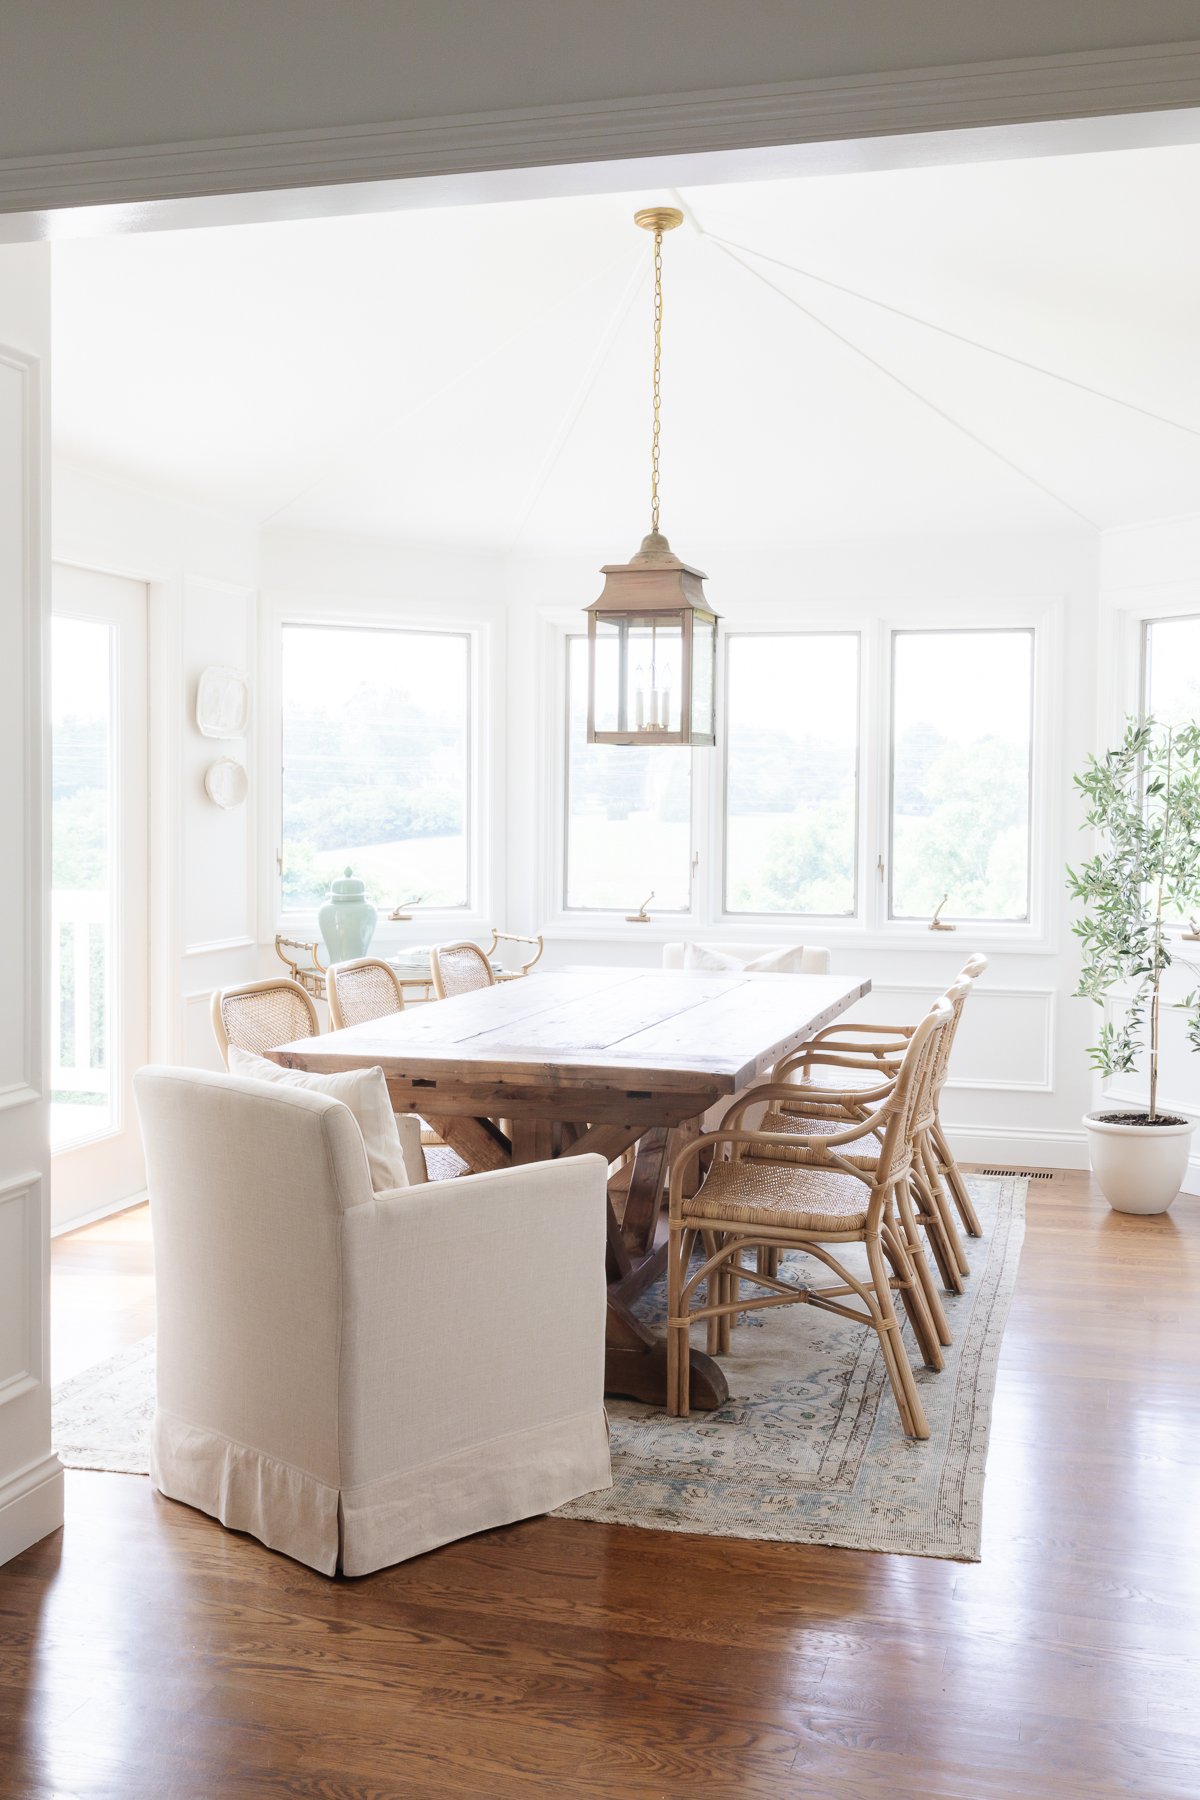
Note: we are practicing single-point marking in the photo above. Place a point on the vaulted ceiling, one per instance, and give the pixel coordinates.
(480, 375)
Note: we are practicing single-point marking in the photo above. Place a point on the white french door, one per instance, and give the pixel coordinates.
(99, 1000)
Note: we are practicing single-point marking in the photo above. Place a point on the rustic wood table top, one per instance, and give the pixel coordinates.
(620, 1027)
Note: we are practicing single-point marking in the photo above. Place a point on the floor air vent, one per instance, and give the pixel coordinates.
(1029, 1174)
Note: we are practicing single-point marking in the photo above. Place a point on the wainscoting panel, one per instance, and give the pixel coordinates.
(1005, 1042)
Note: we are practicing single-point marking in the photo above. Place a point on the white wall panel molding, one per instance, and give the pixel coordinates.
(31, 1506)
(22, 575)
(217, 946)
(1078, 85)
(1027, 1033)
(21, 1347)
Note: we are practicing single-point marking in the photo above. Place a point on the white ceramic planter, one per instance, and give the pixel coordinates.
(1139, 1167)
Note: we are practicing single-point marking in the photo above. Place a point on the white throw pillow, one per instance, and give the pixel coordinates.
(364, 1092)
(777, 962)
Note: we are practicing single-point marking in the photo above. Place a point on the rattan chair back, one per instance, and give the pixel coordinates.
(362, 990)
(260, 1015)
(459, 969)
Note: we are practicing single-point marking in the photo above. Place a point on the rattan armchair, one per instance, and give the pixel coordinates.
(853, 1056)
(259, 1015)
(362, 990)
(843, 1182)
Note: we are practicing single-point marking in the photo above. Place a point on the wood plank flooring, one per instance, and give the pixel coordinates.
(145, 1652)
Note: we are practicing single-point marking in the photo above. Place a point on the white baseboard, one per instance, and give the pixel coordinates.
(1036, 1149)
(31, 1506)
(101, 1212)
(1030, 1147)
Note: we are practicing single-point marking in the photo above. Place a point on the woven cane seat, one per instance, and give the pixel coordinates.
(757, 1193)
(824, 1075)
(443, 1164)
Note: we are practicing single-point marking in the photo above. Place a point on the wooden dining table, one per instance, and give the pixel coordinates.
(609, 1060)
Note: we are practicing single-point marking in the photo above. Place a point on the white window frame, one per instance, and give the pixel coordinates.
(483, 627)
(870, 927)
(1141, 669)
(889, 823)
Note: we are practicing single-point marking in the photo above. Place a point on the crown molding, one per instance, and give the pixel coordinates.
(1078, 85)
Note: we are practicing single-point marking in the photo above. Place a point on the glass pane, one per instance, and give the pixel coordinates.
(655, 661)
(628, 814)
(1172, 690)
(791, 797)
(81, 895)
(376, 748)
(962, 718)
(704, 670)
(1173, 671)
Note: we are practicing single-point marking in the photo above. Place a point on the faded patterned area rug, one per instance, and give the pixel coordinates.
(807, 1450)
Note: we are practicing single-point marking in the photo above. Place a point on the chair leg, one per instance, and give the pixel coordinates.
(916, 1256)
(715, 1294)
(931, 1167)
(912, 1298)
(904, 1386)
(929, 1217)
(958, 1187)
(677, 1334)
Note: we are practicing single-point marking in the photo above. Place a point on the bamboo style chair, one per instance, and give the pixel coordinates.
(459, 969)
(850, 1055)
(807, 1192)
(260, 1015)
(362, 990)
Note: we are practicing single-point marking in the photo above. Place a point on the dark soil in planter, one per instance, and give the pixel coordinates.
(1136, 1118)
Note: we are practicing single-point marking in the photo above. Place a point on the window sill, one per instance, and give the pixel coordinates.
(1018, 940)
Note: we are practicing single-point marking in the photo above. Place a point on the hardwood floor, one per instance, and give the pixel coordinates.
(145, 1652)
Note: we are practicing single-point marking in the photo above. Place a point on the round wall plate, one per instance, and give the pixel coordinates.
(226, 782)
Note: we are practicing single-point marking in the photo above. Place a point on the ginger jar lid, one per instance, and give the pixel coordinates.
(347, 887)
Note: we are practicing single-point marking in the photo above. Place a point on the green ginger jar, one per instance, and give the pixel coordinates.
(347, 919)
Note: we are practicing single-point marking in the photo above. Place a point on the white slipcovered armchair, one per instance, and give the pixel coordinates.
(354, 1378)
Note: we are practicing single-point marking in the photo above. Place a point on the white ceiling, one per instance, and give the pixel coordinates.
(480, 375)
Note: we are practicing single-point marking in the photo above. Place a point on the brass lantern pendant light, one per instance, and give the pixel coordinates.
(652, 636)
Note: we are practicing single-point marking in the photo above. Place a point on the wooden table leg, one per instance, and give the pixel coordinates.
(635, 1363)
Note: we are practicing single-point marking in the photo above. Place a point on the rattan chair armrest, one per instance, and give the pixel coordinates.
(783, 1090)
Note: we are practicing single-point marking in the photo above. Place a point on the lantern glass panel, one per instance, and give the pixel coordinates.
(606, 667)
(654, 659)
(704, 674)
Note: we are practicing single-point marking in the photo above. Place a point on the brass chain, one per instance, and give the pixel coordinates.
(654, 442)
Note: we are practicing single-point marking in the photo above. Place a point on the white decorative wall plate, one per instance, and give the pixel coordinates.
(223, 702)
(226, 782)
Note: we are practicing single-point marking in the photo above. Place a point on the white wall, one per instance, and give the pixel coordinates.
(30, 1477)
(202, 571)
(1022, 1081)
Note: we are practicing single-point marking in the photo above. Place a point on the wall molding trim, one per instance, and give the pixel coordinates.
(1075, 85)
(31, 1506)
(1032, 1145)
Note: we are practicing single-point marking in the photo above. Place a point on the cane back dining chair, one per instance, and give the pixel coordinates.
(850, 1055)
(362, 990)
(808, 1191)
(259, 1015)
(459, 969)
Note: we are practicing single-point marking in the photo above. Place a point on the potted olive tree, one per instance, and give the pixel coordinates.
(1144, 802)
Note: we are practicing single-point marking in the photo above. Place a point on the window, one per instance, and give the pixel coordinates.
(629, 829)
(1171, 690)
(376, 763)
(1171, 670)
(791, 781)
(962, 719)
